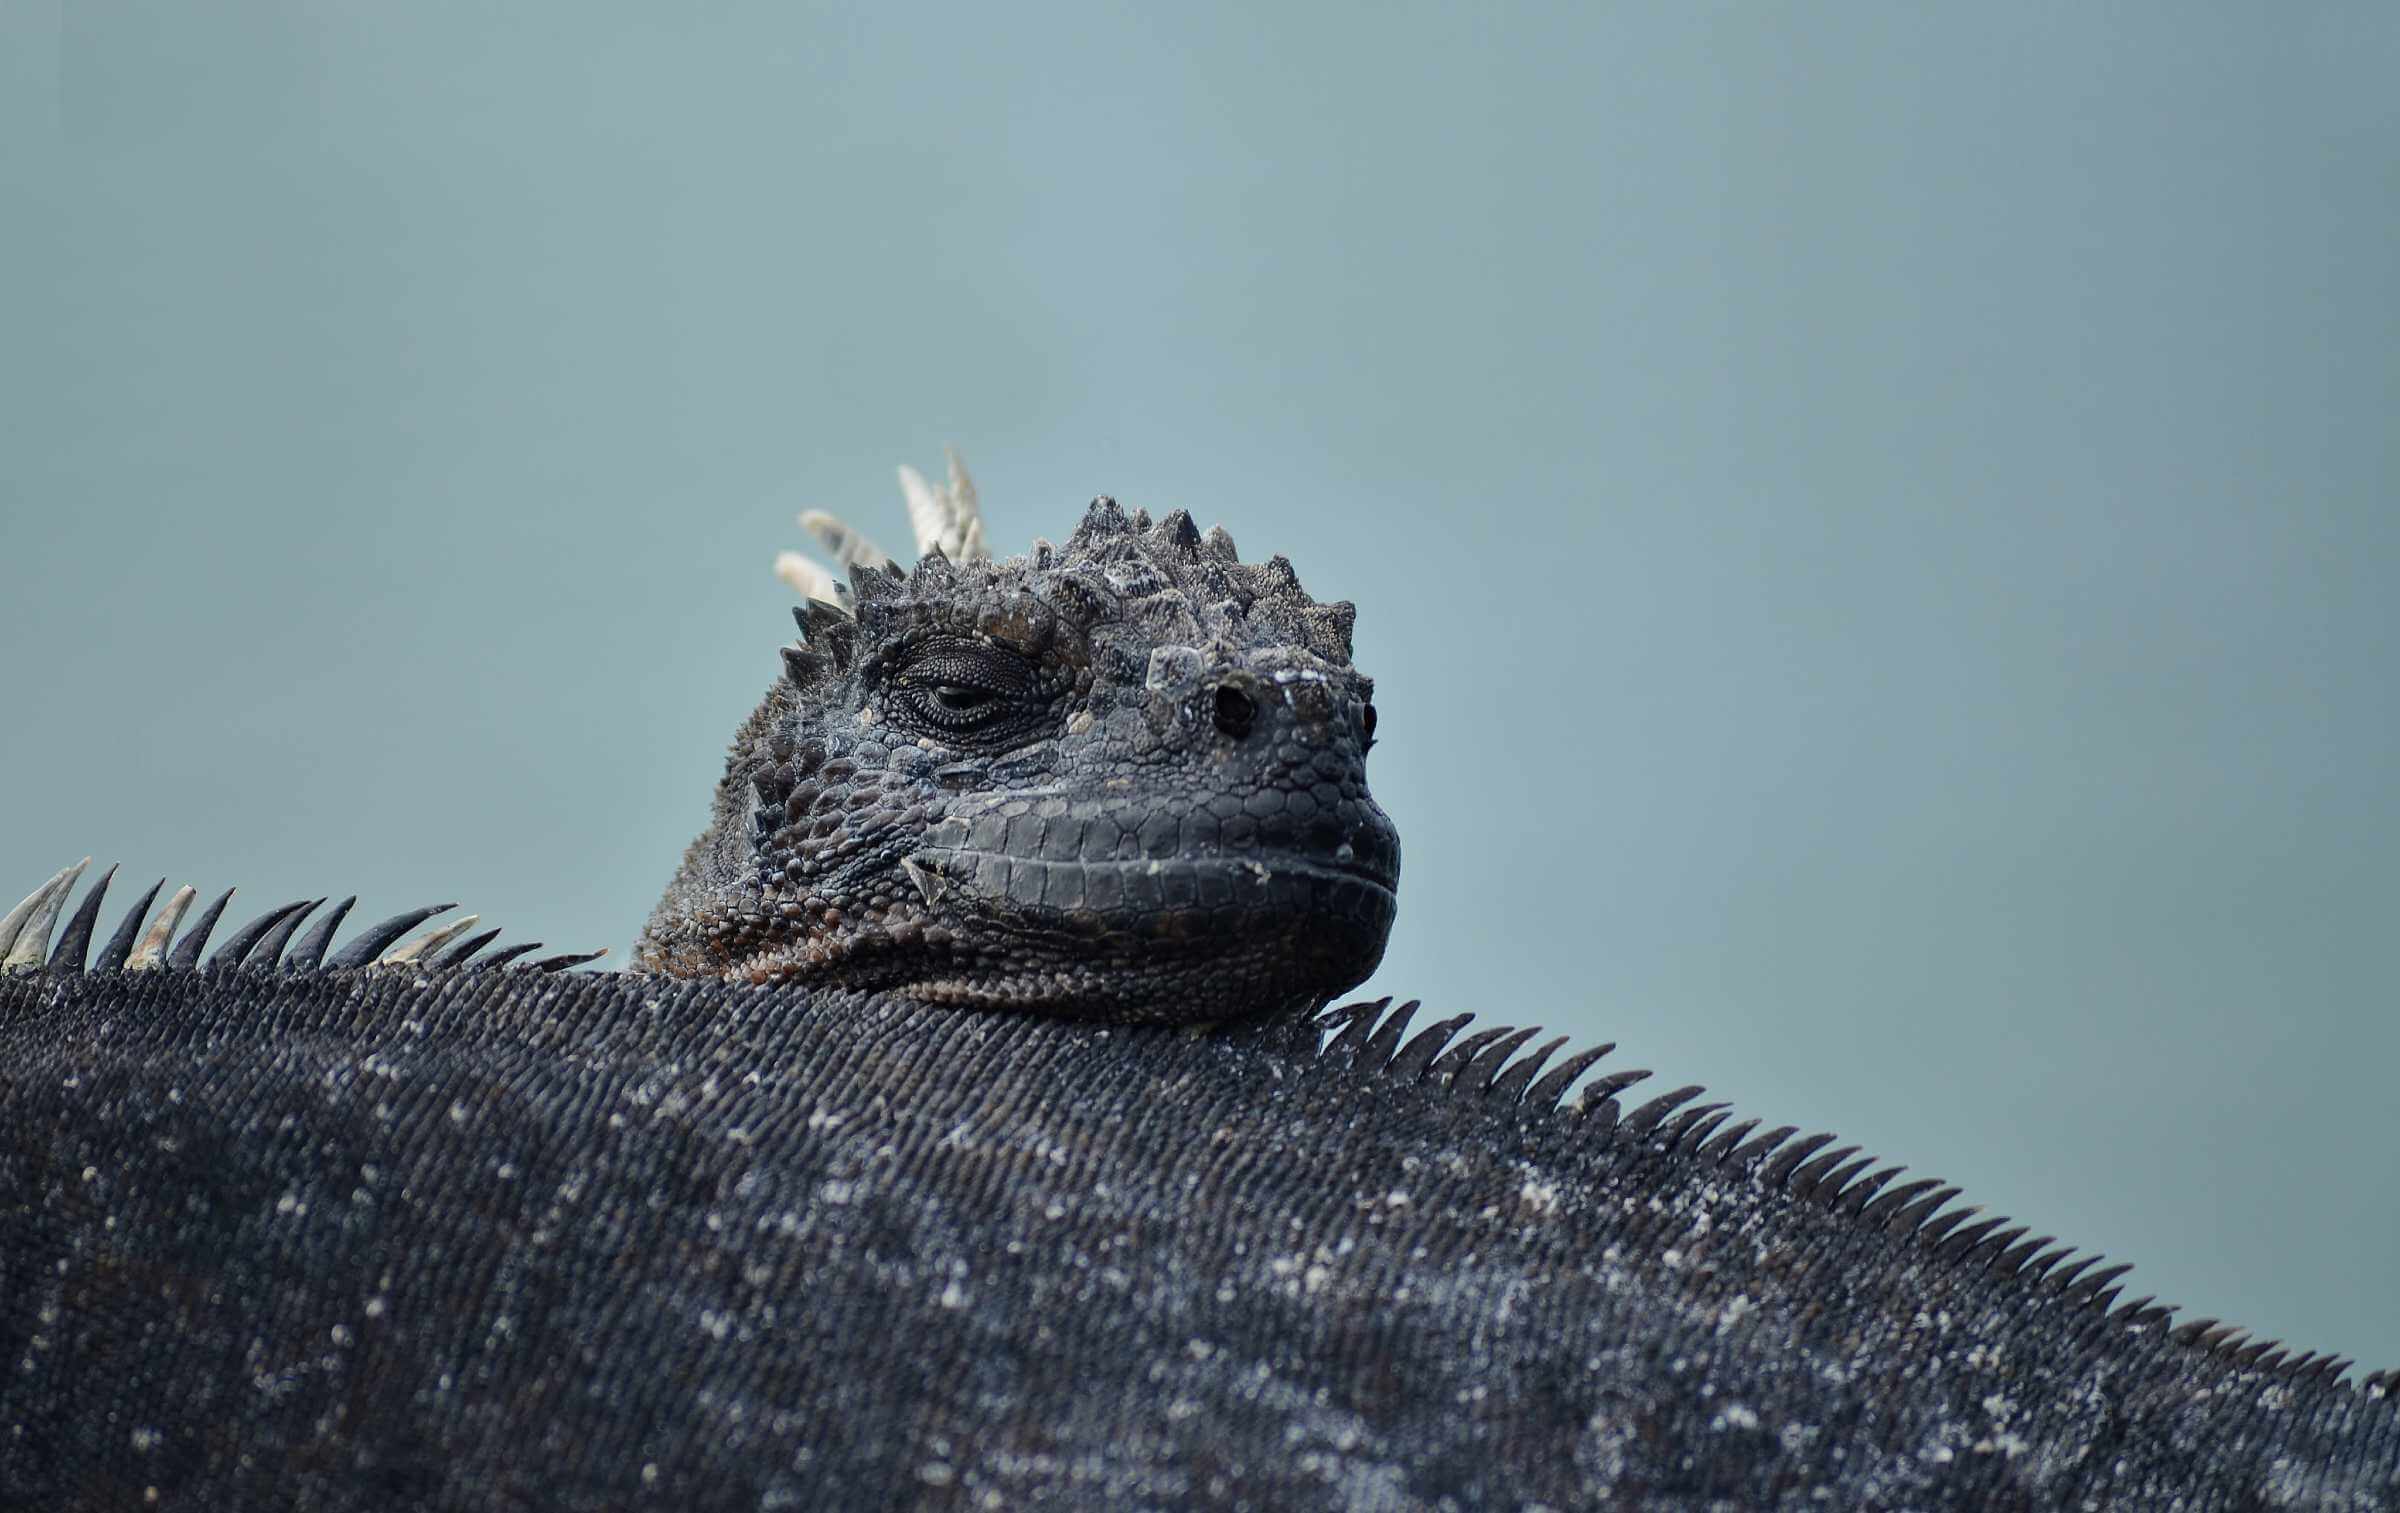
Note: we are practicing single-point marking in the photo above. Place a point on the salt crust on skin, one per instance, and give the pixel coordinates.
(493, 1238)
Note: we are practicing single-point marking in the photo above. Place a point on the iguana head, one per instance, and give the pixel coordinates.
(1124, 779)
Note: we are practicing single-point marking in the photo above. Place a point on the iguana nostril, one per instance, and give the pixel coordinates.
(1235, 711)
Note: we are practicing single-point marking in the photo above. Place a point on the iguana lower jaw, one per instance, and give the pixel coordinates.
(1125, 780)
(1146, 940)
(1151, 940)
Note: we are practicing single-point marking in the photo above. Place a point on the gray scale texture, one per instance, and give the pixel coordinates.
(1150, 802)
(498, 1238)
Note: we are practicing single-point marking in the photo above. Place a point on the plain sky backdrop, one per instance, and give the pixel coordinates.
(1875, 525)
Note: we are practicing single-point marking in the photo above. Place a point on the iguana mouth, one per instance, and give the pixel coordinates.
(1055, 853)
(1162, 896)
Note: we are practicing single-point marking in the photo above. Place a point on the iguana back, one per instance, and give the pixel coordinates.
(495, 1238)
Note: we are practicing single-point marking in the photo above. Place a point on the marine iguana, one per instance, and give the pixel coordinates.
(899, 1172)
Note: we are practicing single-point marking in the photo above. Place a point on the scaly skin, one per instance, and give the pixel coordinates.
(406, 1224)
(384, 1238)
(1125, 780)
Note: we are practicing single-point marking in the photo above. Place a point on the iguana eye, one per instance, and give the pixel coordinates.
(970, 693)
(957, 698)
(954, 708)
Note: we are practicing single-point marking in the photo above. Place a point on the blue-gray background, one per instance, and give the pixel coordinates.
(1874, 524)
